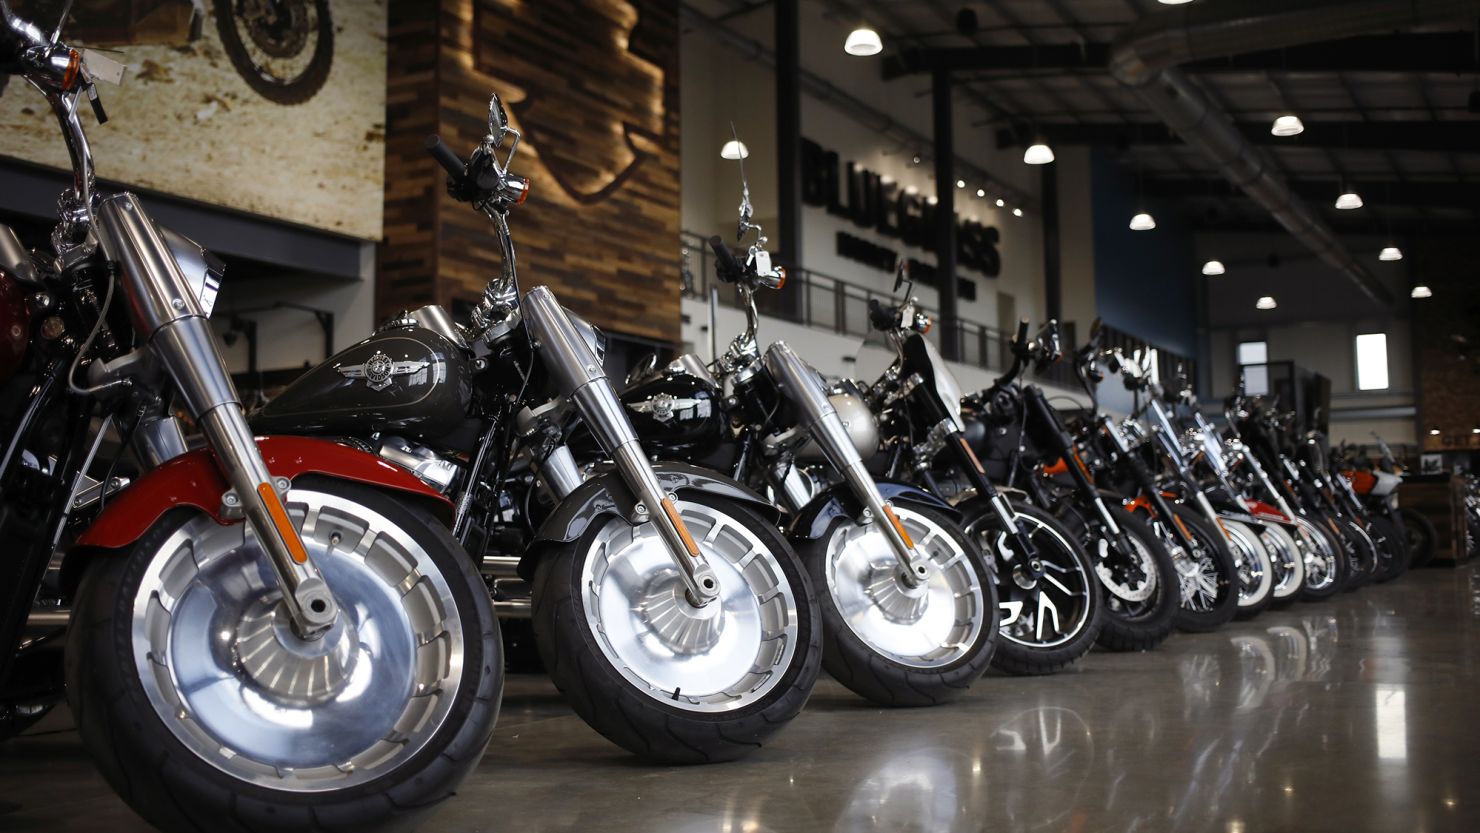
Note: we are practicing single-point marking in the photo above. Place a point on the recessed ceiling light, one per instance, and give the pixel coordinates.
(981, 192)
(734, 149)
(911, 190)
(1287, 125)
(1142, 222)
(1265, 302)
(1174, 2)
(1038, 153)
(1421, 291)
(960, 183)
(1433, 432)
(1213, 267)
(1390, 253)
(1000, 202)
(932, 199)
(1017, 212)
(1348, 201)
(863, 42)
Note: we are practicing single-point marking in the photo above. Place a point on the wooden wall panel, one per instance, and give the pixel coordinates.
(593, 84)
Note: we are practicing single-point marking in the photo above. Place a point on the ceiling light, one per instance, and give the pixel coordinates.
(1421, 291)
(886, 180)
(1213, 267)
(1390, 253)
(915, 160)
(932, 199)
(981, 192)
(1265, 302)
(1038, 153)
(1174, 2)
(911, 190)
(1142, 222)
(1433, 432)
(734, 149)
(1287, 125)
(1475, 430)
(1000, 202)
(863, 42)
(1348, 201)
(960, 183)
(1017, 212)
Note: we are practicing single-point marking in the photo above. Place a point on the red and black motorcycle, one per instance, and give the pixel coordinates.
(273, 630)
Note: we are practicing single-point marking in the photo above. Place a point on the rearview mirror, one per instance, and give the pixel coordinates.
(498, 121)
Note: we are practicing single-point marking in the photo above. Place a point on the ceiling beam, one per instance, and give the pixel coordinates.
(1442, 136)
(1438, 52)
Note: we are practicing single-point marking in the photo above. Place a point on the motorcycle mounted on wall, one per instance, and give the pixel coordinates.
(273, 631)
(1051, 607)
(665, 605)
(908, 605)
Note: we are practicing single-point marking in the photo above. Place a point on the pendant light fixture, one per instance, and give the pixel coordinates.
(1213, 267)
(1390, 254)
(1420, 292)
(1287, 125)
(1143, 222)
(863, 42)
(734, 149)
(1265, 302)
(1038, 153)
(1349, 199)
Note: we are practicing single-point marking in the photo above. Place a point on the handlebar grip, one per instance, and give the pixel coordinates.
(1022, 333)
(449, 161)
(880, 316)
(729, 267)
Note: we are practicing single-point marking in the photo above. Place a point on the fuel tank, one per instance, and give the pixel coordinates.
(677, 409)
(408, 381)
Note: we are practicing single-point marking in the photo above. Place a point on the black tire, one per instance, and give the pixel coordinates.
(1057, 545)
(1361, 554)
(1421, 535)
(294, 90)
(635, 720)
(174, 789)
(882, 679)
(1321, 528)
(1135, 626)
(1224, 605)
(1392, 549)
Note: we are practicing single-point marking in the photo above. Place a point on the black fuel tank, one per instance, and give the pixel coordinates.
(677, 410)
(407, 381)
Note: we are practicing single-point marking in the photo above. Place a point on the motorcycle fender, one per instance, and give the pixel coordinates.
(607, 494)
(193, 480)
(837, 503)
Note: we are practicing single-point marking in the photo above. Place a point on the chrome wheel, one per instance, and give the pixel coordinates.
(930, 625)
(719, 657)
(1197, 572)
(1251, 564)
(1286, 561)
(236, 686)
(1047, 610)
(1320, 556)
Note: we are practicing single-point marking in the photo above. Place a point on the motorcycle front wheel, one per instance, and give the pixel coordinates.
(1141, 588)
(1048, 621)
(1288, 563)
(206, 711)
(1325, 558)
(1209, 576)
(895, 644)
(1255, 570)
(1361, 553)
(1420, 535)
(659, 677)
(1391, 548)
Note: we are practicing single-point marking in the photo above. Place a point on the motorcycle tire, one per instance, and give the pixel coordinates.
(1361, 552)
(308, 751)
(613, 648)
(1391, 546)
(1134, 624)
(1021, 648)
(295, 90)
(1288, 562)
(1421, 535)
(892, 644)
(1255, 570)
(1326, 565)
(1210, 582)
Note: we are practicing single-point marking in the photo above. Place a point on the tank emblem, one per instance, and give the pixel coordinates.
(665, 406)
(379, 369)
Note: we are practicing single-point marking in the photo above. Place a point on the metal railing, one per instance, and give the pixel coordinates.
(818, 300)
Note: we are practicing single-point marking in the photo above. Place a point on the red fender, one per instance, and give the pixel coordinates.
(1261, 509)
(193, 479)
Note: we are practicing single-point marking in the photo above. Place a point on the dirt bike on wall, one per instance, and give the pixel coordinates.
(272, 631)
(909, 608)
(283, 49)
(666, 606)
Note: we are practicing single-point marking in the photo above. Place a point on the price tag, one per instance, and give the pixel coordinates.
(102, 67)
(762, 262)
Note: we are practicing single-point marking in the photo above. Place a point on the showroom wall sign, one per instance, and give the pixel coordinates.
(866, 198)
(286, 123)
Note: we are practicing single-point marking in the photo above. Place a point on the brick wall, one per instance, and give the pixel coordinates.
(593, 85)
(1446, 338)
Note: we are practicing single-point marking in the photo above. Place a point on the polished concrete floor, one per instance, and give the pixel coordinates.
(1361, 714)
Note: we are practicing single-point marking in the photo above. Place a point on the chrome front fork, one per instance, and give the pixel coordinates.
(799, 383)
(168, 317)
(579, 374)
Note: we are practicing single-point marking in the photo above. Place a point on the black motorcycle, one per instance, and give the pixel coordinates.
(1052, 611)
(666, 606)
(908, 604)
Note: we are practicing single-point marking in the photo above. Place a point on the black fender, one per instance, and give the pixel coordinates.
(837, 503)
(608, 494)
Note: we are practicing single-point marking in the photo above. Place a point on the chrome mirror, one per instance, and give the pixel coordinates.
(498, 121)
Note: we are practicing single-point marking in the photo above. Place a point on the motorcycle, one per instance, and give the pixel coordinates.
(276, 631)
(1052, 612)
(1028, 441)
(908, 605)
(1373, 495)
(664, 603)
(1418, 531)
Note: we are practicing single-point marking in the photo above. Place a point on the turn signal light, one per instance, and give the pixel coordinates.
(281, 520)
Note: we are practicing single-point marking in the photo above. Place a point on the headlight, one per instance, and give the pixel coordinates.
(595, 338)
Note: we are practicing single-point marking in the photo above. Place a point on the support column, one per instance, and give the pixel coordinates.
(789, 131)
(945, 212)
(1053, 272)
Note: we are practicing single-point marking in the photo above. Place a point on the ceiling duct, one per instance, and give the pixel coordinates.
(1145, 58)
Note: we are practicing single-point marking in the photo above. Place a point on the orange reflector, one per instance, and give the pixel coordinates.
(898, 527)
(284, 524)
(523, 195)
(683, 531)
(74, 66)
(929, 322)
(971, 455)
(781, 270)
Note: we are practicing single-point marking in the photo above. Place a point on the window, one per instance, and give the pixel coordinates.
(1372, 361)
(1253, 358)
